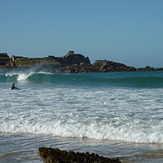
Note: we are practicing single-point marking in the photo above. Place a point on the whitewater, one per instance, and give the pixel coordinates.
(116, 114)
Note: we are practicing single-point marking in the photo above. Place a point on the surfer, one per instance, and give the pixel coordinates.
(13, 87)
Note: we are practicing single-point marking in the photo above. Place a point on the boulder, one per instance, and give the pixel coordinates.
(50, 155)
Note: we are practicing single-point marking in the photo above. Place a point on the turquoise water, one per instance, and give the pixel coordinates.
(113, 114)
(116, 79)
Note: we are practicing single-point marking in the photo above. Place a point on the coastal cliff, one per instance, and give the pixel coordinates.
(70, 63)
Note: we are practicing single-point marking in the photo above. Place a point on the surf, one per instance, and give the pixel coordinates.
(114, 79)
(117, 114)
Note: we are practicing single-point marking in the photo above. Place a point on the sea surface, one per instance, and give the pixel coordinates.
(118, 114)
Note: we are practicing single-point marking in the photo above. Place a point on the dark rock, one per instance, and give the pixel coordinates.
(50, 155)
(147, 68)
(68, 59)
(70, 63)
(98, 66)
(75, 59)
(159, 69)
(4, 59)
(82, 68)
(109, 66)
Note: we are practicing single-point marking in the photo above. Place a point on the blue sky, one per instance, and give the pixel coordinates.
(126, 31)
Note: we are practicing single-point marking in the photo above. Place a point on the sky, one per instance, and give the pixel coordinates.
(125, 31)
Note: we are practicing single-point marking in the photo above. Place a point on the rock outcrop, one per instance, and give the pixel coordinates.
(4, 59)
(70, 63)
(109, 66)
(98, 66)
(75, 59)
(50, 155)
(147, 68)
(69, 59)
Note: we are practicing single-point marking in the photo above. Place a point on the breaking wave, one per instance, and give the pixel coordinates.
(116, 114)
(120, 79)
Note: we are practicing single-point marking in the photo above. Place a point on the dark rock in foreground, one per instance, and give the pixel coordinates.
(50, 155)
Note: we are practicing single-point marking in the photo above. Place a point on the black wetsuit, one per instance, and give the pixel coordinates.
(13, 87)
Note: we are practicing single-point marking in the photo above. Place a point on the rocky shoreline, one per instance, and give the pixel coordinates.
(70, 63)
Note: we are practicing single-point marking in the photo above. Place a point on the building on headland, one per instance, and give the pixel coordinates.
(68, 59)
(72, 58)
(69, 53)
(13, 58)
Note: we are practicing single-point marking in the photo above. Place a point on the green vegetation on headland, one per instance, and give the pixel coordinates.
(70, 63)
(51, 155)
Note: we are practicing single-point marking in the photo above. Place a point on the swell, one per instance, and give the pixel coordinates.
(123, 79)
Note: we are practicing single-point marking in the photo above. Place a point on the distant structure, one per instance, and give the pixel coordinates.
(72, 58)
(69, 53)
(12, 61)
(13, 58)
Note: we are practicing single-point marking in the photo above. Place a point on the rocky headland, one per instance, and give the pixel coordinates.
(70, 63)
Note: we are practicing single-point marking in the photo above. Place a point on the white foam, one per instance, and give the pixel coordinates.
(91, 130)
(85, 113)
(20, 76)
(23, 76)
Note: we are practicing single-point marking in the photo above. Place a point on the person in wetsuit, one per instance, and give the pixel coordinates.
(13, 87)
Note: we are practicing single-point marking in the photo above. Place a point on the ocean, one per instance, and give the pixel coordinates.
(117, 114)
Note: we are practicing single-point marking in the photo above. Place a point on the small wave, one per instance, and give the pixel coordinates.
(87, 132)
(19, 76)
(129, 132)
(24, 73)
(23, 76)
